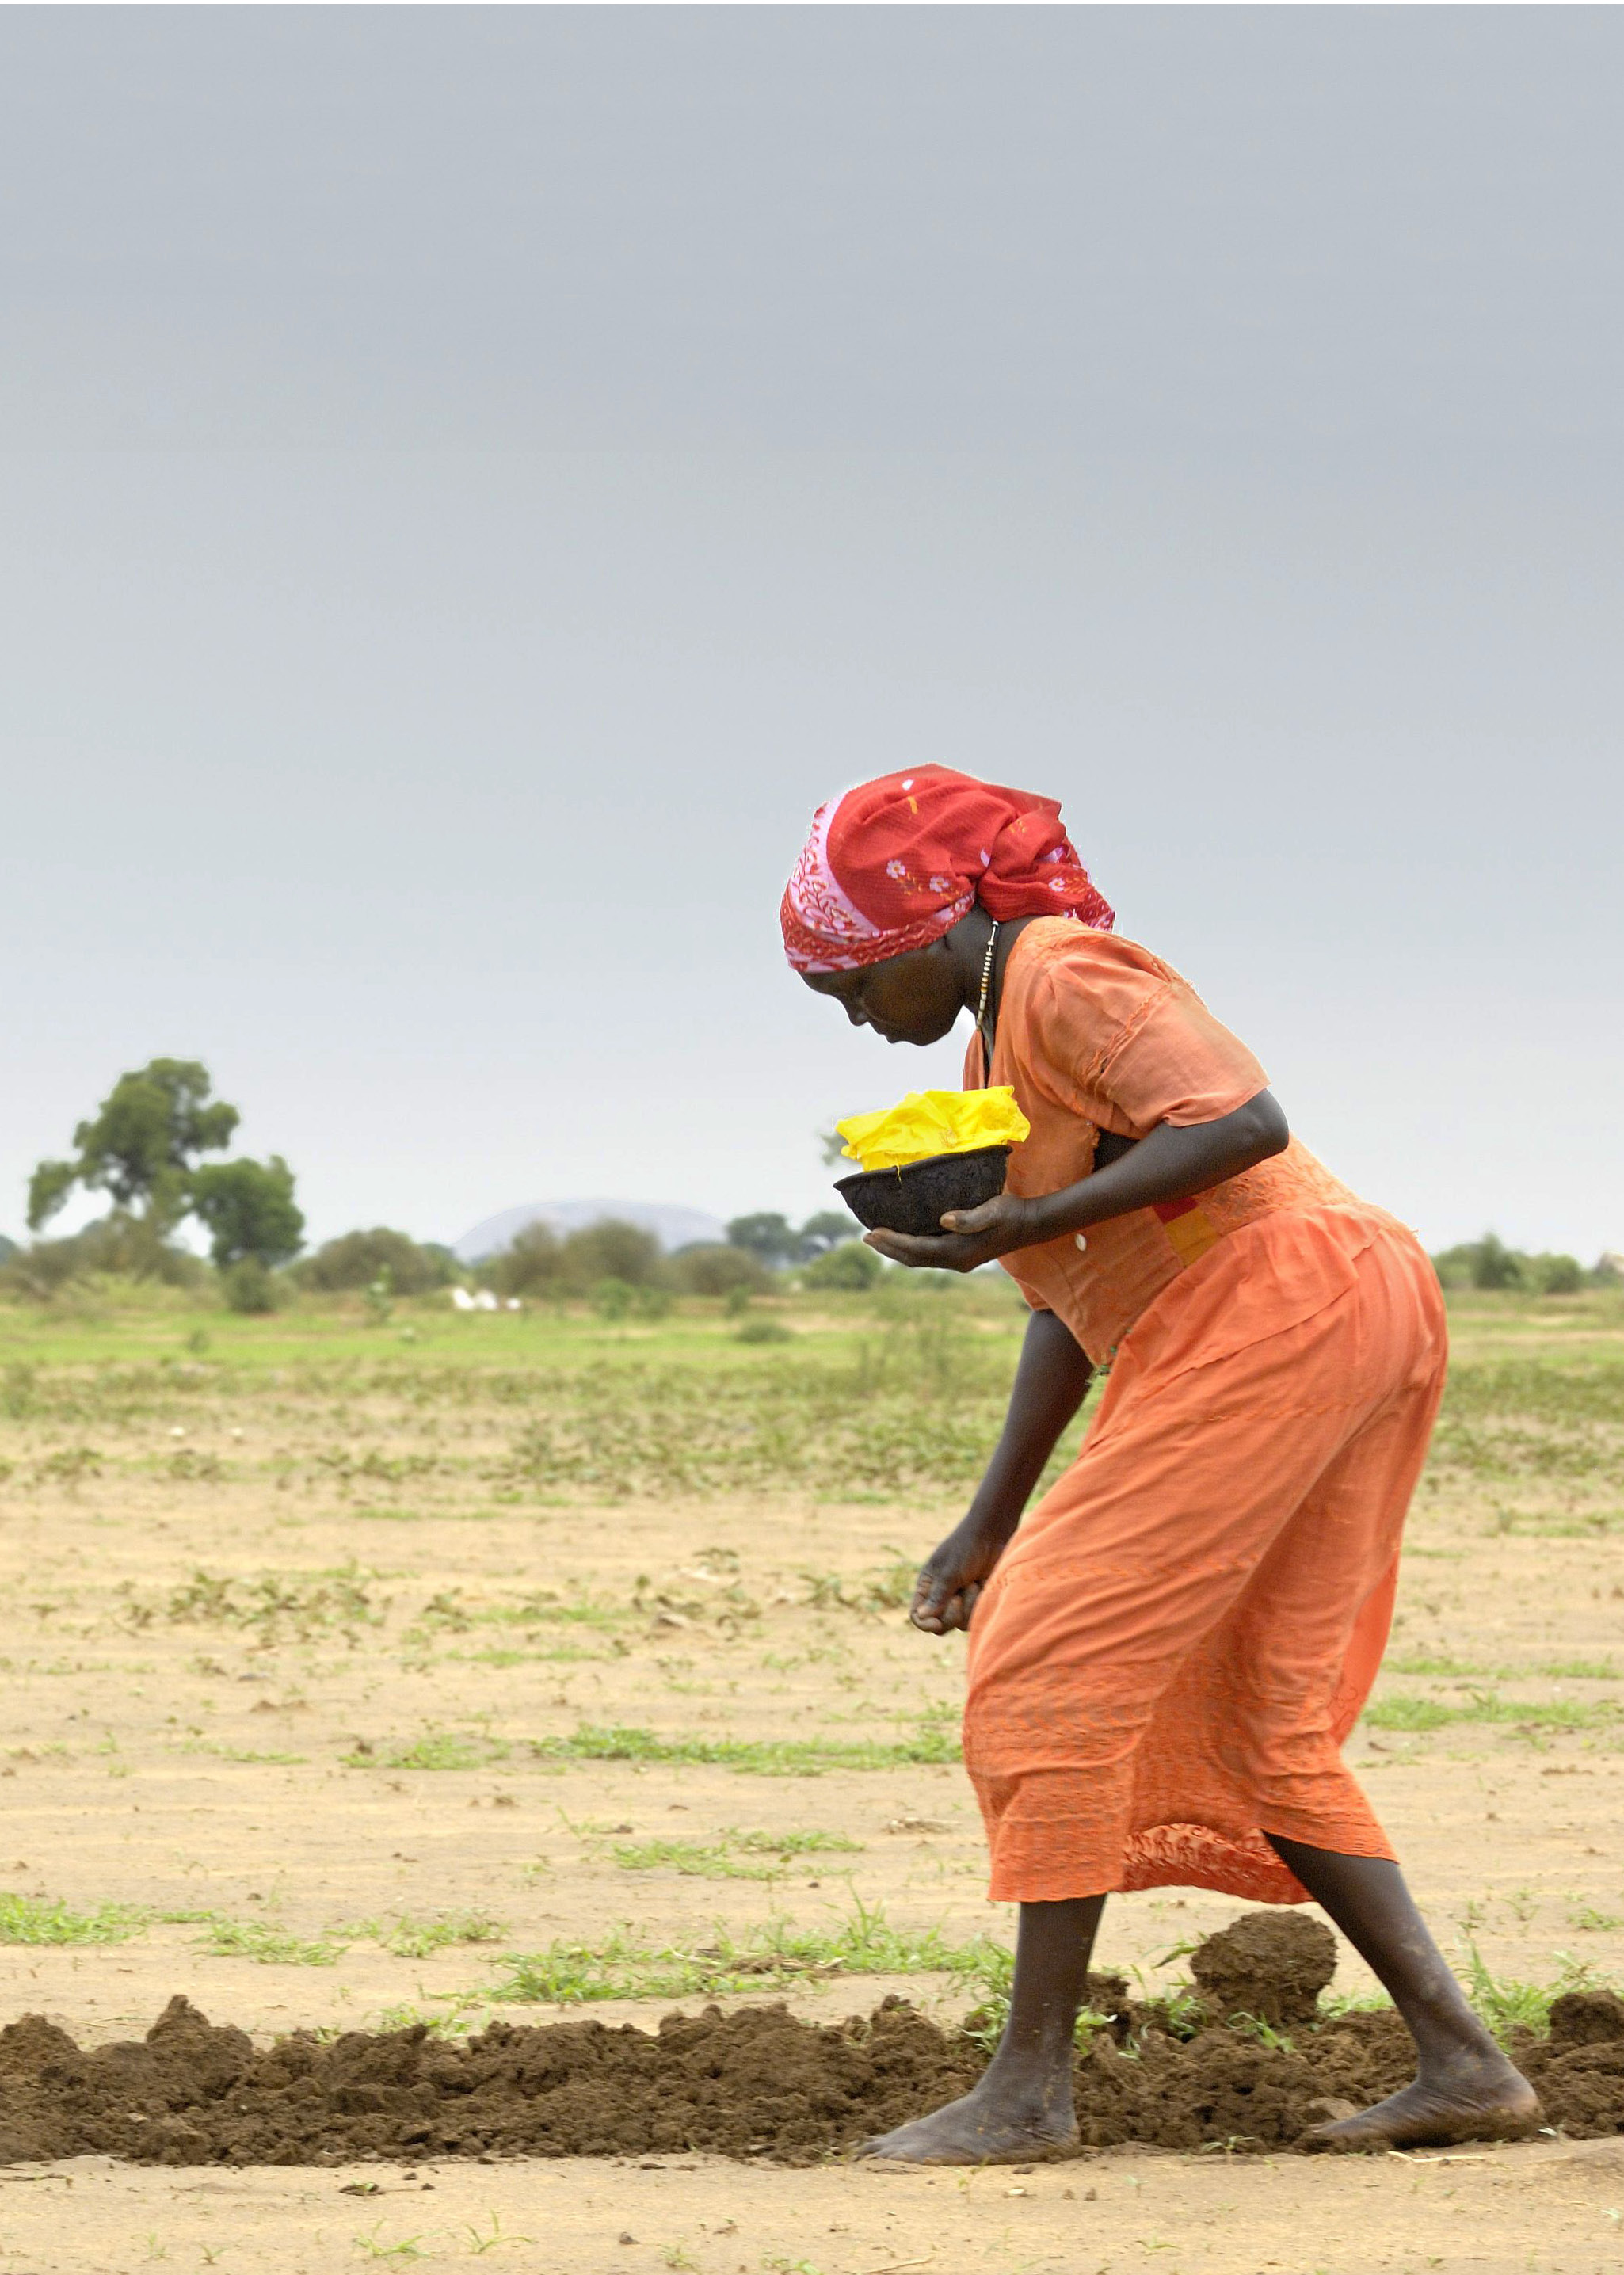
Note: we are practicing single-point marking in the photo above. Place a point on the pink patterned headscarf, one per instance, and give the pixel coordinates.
(891, 865)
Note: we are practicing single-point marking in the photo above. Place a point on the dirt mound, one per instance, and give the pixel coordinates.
(1272, 1965)
(757, 2083)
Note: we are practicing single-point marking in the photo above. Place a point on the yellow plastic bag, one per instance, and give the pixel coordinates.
(934, 1122)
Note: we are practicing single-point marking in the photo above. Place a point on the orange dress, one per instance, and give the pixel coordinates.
(1170, 1653)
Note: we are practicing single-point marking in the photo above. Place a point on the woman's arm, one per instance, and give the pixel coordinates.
(1050, 1383)
(1169, 1165)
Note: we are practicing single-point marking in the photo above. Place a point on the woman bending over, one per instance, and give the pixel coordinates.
(1166, 1656)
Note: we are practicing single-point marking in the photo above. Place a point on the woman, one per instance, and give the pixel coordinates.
(1167, 1656)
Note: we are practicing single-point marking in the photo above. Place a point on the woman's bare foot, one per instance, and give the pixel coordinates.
(1479, 2097)
(984, 2127)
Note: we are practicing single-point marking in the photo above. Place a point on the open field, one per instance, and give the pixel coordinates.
(461, 1669)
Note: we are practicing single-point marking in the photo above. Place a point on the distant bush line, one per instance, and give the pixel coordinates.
(1488, 1264)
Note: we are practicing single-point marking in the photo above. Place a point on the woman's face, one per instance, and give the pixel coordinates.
(909, 999)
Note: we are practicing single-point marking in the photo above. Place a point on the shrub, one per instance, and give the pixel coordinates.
(611, 1298)
(1486, 1262)
(128, 1246)
(533, 1265)
(355, 1259)
(613, 1251)
(827, 1229)
(248, 1287)
(850, 1266)
(1494, 1264)
(1557, 1275)
(715, 1271)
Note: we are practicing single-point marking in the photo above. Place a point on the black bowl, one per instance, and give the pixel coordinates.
(916, 1199)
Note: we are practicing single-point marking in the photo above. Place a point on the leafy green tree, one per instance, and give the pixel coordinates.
(141, 1145)
(767, 1234)
(829, 1229)
(249, 1211)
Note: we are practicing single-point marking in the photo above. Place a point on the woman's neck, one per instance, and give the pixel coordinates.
(969, 939)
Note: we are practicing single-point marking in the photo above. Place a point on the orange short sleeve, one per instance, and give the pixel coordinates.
(1123, 1038)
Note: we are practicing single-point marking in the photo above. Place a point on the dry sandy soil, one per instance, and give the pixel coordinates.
(296, 1790)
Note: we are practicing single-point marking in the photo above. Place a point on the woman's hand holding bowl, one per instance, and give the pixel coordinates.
(970, 1237)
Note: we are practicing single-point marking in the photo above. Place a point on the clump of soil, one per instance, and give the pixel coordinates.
(1272, 1965)
(755, 2083)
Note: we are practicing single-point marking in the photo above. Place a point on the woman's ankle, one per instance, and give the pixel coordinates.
(1455, 2044)
(1036, 2074)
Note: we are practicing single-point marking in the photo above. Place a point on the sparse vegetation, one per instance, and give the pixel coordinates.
(776, 1957)
(412, 1572)
(765, 1757)
(36, 1919)
(733, 1855)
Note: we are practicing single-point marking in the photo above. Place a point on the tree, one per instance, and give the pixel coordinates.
(532, 1264)
(141, 1145)
(825, 1230)
(767, 1234)
(355, 1259)
(710, 1269)
(611, 1250)
(249, 1211)
(1494, 1264)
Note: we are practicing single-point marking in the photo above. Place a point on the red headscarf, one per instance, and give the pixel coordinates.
(891, 865)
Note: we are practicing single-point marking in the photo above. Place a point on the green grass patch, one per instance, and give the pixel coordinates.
(1591, 1922)
(435, 1750)
(754, 1757)
(1587, 1524)
(1558, 1415)
(267, 1944)
(511, 1655)
(235, 1753)
(452, 2021)
(1508, 2005)
(1408, 1710)
(1424, 1663)
(1549, 1670)
(35, 1920)
(732, 1854)
(448, 1612)
(417, 1939)
(774, 1957)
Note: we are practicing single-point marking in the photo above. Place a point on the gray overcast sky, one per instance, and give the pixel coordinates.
(473, 479)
